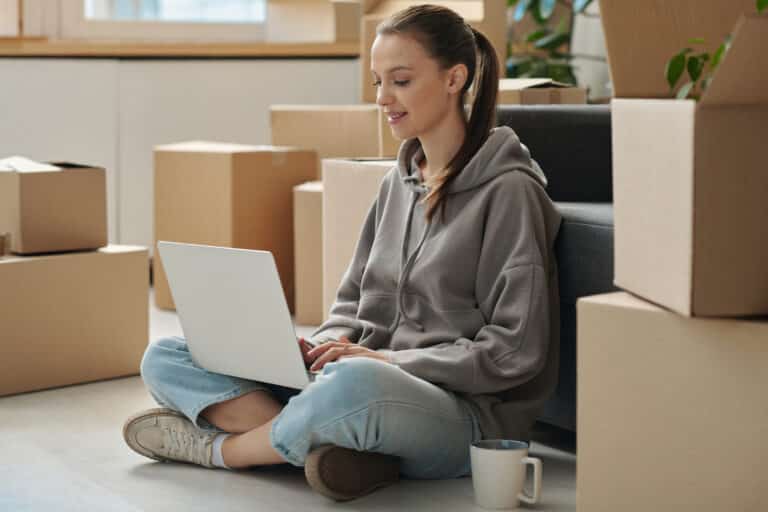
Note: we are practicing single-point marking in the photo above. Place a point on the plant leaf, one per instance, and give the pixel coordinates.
(546, 8)
(684, 91)
(522, 7)
(511, 3)
(580, 5)
(538, 34)
(552, 41)
(695, 66)
(696, 40)
(675, 68)
(761, 5)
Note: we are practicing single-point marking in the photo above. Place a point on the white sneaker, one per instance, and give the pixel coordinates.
(167, 435)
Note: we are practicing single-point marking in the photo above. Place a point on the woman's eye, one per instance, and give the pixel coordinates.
(402, 83)
(377, 83)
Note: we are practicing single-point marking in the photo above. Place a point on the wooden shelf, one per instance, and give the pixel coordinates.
(120, 49)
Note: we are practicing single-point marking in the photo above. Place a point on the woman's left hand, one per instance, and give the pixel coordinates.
(341, 349)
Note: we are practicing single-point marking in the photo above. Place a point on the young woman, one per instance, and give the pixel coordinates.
(444, 328)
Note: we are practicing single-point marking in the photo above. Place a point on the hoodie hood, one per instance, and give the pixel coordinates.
(502, 152)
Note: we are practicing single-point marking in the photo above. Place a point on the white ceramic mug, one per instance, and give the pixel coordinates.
(499, 471)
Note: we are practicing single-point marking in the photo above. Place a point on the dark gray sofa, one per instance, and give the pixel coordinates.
(572, 143)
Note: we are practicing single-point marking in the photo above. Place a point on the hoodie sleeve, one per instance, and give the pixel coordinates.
(513, 294)
(342, 319)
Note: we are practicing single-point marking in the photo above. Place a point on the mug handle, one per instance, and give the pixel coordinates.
(524, 497)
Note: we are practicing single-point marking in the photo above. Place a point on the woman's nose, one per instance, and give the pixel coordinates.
(383, 96)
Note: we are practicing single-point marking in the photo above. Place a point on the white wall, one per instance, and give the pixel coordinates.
(588, 40)
(62, 110)
(113, 112)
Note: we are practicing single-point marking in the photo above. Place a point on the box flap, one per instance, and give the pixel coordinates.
(641, 37)
(742, 76)
(517, 84)
(22, 164)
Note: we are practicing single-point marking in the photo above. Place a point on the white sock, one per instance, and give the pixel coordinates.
(218, 457)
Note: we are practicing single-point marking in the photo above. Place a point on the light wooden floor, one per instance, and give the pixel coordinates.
(62, 450)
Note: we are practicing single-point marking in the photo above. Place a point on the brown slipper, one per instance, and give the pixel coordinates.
(343, 474)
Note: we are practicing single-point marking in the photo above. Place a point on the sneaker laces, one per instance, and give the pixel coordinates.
(189, 446)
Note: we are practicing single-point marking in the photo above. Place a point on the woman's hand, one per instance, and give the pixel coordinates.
(305, 347)
(341, 349)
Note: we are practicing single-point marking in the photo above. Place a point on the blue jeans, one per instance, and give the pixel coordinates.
(362, 404)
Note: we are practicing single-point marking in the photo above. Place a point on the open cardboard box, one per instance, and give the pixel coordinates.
(691, 179)
(487, 16)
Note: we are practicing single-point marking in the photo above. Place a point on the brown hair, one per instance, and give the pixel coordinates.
(449, 40)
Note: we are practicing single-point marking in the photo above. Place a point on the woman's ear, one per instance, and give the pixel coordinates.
(457, 77)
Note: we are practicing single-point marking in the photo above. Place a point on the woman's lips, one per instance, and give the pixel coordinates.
(396, 117)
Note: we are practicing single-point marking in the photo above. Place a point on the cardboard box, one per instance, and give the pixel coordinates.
(228, 195)
(72, 318)
(640, 37)
(349, 189)
(324, 21)
(308, 244)
(689, 186)
(532, 91)
(671, 410)
(334, 131)
(487, 16)
(54, 211)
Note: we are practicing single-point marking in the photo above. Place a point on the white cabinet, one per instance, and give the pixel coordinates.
(112, 112)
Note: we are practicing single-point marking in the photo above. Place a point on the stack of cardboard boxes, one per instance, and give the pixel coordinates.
(72, 309)
(671, 410)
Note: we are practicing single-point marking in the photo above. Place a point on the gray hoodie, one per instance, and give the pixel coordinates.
(469, 301)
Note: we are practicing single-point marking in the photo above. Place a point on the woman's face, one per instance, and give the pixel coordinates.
(412, 90)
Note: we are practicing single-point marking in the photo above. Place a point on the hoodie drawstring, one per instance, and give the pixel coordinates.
(406, 264)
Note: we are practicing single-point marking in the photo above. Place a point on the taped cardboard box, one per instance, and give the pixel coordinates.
(229, 195)
(72, 318)
(314, 21)
(487, 16)
(308, 245)
(532, 91)
(671, 410)
(52, 207)
(689, 186)
(334, 131)
(349, 189)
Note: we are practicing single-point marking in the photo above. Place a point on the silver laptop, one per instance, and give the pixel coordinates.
(233, 313)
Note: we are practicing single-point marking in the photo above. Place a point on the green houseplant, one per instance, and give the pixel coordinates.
(545, 56)
(700, 66)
